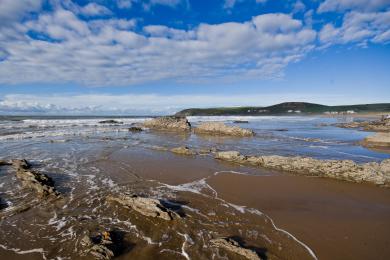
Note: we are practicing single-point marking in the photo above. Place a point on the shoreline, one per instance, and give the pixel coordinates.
(296, 203)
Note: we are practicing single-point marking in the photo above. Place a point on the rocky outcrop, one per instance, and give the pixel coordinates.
(40, 182)
(98, 245)
(241, 122)
(183, 150)
(219, 128)
(233, 246)
(168, 123)
(377, 140)
(145, 206)
(382, 125)
(376, 173)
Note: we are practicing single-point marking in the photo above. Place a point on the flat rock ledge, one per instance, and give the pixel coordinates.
(40, 182)
(377, 140)
(183, 150)
(382, 125)
(347, 170)
(145, 206)
(219, 128)
(233, 246)
(168, 123)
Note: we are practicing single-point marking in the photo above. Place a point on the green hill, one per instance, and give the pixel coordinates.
(286, 108)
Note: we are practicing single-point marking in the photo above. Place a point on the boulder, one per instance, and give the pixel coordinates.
(233, 246)
(168, 123)
(184, 150)
(241, 122)
(145, 206)
(219, 128)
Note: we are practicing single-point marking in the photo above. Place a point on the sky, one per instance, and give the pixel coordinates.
(134, 57)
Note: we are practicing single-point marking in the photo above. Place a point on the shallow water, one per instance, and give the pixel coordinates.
(89, 161)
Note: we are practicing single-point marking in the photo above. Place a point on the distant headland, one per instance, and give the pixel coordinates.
(287, 108)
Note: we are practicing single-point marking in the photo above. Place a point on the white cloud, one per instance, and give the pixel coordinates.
(228, 4)
(13, 10)
(358, 28)
(124, 4)
(93, 9)
(361, 5)
(109, 52)
(298, 7)
(147, 104)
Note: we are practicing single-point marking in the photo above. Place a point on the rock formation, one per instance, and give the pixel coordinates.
(184, 150)
(98, 245)
(233, 246)
(219, 128)
(377, 140)
(135, 129)
(376, 173)
(145, 206)
(40, 182)
(382, 125)
(168, 123)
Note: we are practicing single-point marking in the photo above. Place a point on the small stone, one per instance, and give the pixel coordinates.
(184, 150)
(233, 246)
(145, 206)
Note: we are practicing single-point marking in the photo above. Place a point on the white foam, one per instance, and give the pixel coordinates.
(24, 252)
(183, 247)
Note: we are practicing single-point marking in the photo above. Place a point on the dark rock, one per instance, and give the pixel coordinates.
(110, 121)
(241, 122)
(3, 204)
(135, 129)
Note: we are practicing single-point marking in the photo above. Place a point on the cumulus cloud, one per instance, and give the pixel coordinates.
(359, 28)
(358, 5)
(11, 10)
(61, 47)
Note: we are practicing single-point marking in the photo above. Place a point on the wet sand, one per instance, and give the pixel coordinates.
(337, 220)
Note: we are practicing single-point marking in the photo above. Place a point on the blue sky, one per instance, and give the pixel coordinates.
(159, 56)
